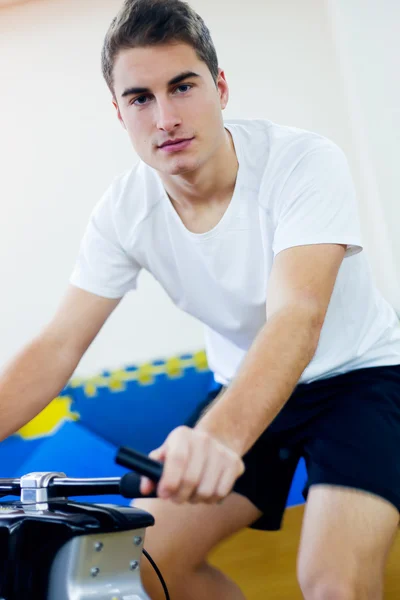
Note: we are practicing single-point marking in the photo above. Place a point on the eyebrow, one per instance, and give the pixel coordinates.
(139, 90)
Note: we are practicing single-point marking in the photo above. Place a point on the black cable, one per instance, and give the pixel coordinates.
(157, 570)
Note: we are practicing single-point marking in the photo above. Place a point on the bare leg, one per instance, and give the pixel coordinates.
(346, 538)
(181, 540)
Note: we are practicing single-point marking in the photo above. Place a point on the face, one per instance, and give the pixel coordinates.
(170, 105)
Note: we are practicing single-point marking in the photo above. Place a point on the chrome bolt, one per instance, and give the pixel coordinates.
(137, 540)
(98, 546)
(94, 571)
(133, 565)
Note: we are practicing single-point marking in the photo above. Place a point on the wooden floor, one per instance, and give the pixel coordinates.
(263, 563)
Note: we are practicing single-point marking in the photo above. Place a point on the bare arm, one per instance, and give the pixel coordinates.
(41, 370)
(202, 464)
(299, 292)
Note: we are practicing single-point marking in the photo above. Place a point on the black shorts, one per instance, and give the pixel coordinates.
(347, 428)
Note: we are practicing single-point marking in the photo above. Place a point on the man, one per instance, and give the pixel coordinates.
(253, 229)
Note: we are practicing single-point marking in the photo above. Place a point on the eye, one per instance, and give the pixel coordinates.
(183, 88)
(141, 100)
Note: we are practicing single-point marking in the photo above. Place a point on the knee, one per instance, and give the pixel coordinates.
(325, 585)
(328, 589)
(325, 582)
(174, 570)
(150, 579)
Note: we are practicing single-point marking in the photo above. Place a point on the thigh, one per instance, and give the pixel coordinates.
(346, 537)
(355, 442)
(184, 534)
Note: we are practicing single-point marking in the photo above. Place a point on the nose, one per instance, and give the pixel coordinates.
(167, 118)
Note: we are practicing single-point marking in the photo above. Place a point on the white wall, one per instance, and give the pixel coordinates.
(368, 49)
(61, 145)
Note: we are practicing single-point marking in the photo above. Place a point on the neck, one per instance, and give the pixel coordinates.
(214, 179)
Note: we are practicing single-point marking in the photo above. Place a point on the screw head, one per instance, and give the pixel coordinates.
(94, 571)
(137, 540)
(133, 565)
(98, 546)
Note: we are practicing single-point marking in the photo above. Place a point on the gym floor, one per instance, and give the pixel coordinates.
(264, 564)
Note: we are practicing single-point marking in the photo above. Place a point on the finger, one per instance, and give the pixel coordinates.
(226, 483)
(194, 471)
(158, 453)
(175, 464)
(146, 486)
(207, 490)
(231, 468)
(228, 478)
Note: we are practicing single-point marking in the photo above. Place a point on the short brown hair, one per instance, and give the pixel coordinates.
(141, 23)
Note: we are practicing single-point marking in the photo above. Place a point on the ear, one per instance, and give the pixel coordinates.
(115, 103)
(223, 88)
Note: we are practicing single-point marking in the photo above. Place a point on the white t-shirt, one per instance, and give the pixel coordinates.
(293, 188)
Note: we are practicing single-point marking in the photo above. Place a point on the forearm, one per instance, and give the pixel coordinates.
(265, 381)
(31, 381)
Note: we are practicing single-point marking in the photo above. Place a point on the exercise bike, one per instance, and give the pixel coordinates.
(52, 548)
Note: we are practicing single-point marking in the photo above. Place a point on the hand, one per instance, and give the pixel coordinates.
(197, 468)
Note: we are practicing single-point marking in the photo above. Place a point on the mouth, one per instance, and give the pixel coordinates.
(176, 145)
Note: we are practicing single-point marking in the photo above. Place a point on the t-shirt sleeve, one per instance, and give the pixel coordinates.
(317, 204)
(103, 267)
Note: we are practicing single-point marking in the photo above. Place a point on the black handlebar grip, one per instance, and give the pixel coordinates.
(140, 463)
(129, 487)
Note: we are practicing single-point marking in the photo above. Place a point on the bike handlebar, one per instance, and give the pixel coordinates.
(127, 486)
(140, 463)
